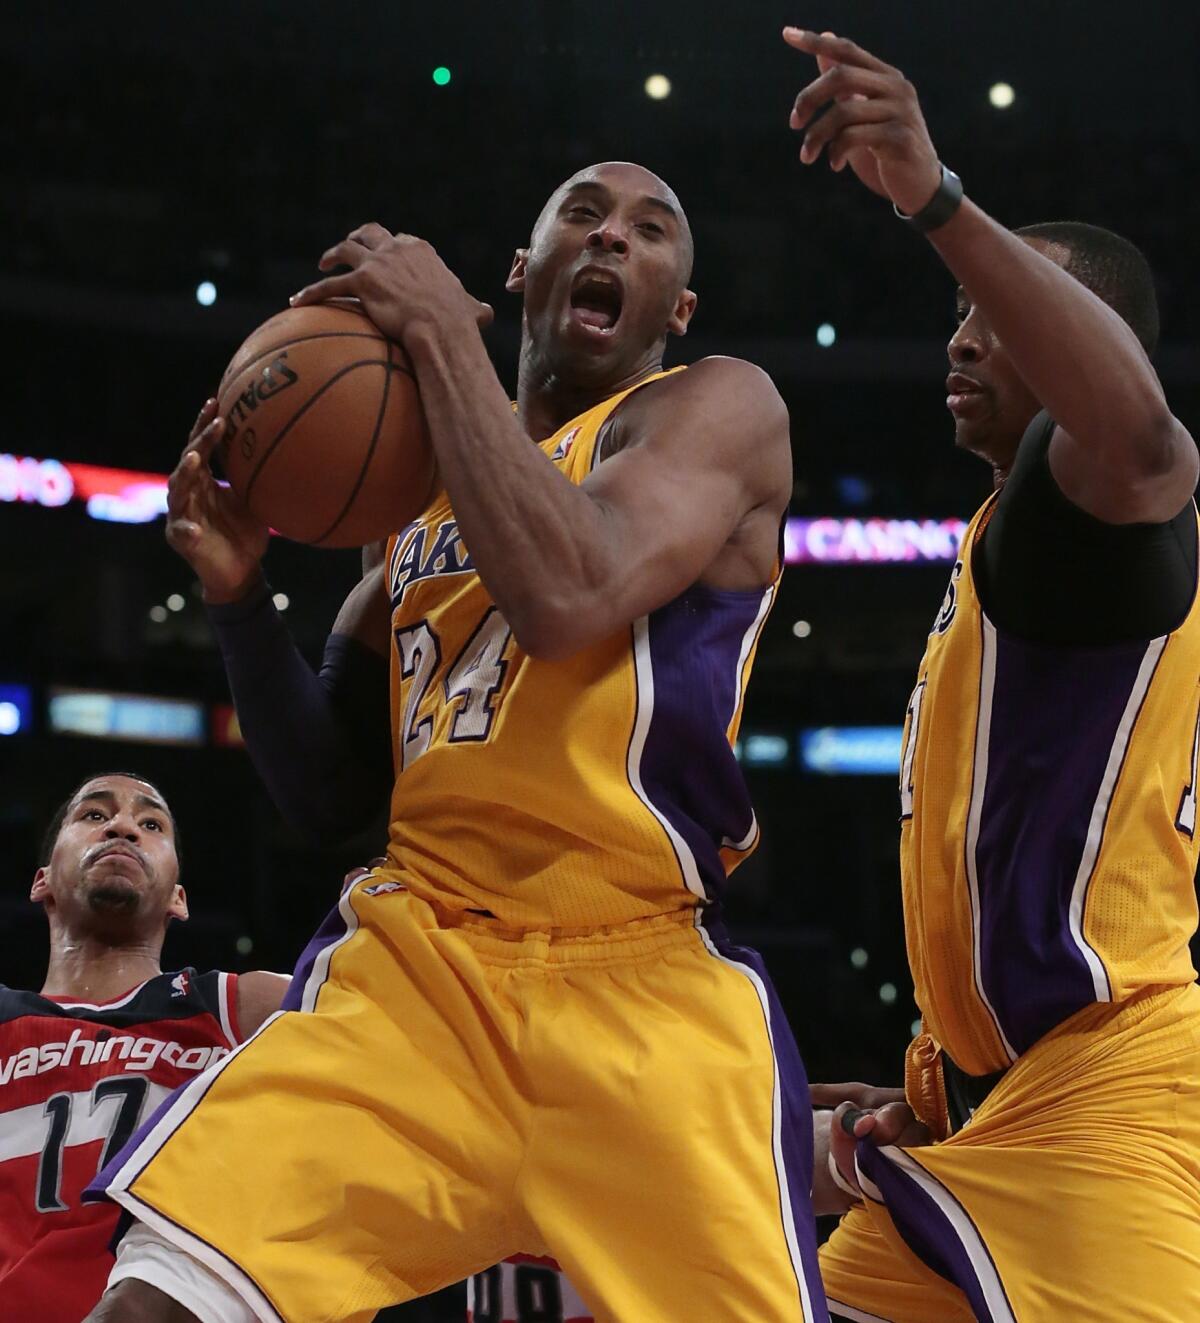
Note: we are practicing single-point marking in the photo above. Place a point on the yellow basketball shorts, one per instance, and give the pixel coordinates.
(1072, 1193)
(443, 1093)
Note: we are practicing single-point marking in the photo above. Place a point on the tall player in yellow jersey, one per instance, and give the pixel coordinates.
(1048, 791)
(526, 1032)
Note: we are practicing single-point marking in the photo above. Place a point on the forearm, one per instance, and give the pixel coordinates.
(310, 750)
(1077, 356)
(516, 512)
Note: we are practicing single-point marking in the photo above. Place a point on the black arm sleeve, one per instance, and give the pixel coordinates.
(1049, 572)
(320, 742)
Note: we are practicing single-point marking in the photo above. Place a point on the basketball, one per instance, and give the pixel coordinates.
(324, 436)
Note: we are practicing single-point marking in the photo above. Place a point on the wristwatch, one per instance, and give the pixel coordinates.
(938, 210)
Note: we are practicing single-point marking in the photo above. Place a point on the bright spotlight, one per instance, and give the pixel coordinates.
(888, 994)
(206, 293)
(282, 601)
(802, 629)
(658, 87)
(10, 718)
(158, 614)
(441, 75)
(859, 958)
(1001, 95)
(826, 335)
(175, 602)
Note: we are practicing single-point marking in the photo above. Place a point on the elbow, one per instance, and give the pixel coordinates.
(1166, 441)
(1160, 445)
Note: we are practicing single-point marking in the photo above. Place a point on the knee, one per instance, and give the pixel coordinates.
(132, 1301)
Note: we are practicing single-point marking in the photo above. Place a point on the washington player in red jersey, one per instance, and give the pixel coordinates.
(107, 1038)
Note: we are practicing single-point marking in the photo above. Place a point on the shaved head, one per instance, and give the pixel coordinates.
(654, 189)
(603, 282)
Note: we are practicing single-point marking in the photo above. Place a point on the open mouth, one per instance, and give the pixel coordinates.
(597, 298)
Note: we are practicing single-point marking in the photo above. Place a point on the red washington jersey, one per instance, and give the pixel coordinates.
(76, 1079)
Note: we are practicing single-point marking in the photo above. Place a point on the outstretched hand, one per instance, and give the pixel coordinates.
(208, 524)
(400, 280)
(873, 122)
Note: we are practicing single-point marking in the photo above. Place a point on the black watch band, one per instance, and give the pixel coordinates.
(938, 210)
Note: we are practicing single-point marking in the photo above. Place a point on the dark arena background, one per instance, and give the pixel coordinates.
(171, 174)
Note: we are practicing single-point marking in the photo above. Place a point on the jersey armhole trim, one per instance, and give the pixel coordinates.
(227, 1008)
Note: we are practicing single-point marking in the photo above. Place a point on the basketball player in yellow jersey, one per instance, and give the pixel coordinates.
(525, 1033)
(1048, 790)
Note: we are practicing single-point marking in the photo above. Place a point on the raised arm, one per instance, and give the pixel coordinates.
(1118, 452)
(702, 463)
(320, 742)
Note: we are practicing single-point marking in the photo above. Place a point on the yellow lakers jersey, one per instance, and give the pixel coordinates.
(577, 793)
(1048, 837)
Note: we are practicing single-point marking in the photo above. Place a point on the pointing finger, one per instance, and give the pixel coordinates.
(839, 50)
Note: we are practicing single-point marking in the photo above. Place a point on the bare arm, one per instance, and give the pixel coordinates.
(365, 615)
(699, 454)
(1118, 452)
(259, 994)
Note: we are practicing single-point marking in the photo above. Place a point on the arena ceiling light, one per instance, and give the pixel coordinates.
(1001, 95)
(826, 335)
(658, 87)
(206, 293)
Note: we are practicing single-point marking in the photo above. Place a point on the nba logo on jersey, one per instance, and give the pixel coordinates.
(180, 985)
(563, 449)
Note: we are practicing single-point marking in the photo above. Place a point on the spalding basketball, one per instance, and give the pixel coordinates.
(324, 436)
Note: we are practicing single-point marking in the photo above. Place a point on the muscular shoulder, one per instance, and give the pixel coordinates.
(719, 383)
(720, 408)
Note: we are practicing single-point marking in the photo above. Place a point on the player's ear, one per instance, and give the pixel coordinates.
(681, 314)
(515, 284)
(178, 908)
(41, 886)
